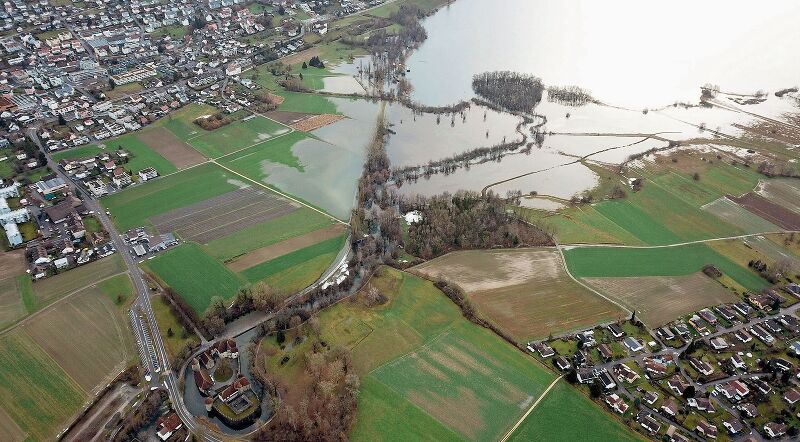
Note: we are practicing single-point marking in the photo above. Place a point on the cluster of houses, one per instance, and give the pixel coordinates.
(704, 374)
(142, 244)
(98, 173)
(64, 242)
(205, 362)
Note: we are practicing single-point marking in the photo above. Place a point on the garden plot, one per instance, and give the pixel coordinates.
(231, 212)
(769, 210)
(526, 292)
(661, 299)
(785, 192)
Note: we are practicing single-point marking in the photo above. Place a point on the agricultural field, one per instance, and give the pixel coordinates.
(133, 207)
(219, 216)
(181, 122)
(239, 245)
(782, 191)
(172, 148)
(44, 396)
(237, 135)
(525, 292)
(11, 306)
(658, 300)
(733, 214)
(582, 224)
(118, 289)
(476, 385)
(296, 259)
(195, 275)
(565, 414)
(55, 287)
(88, 320)
(295, 243)
(770, 211)
(249, 161)
(143, 153)
(587, 262)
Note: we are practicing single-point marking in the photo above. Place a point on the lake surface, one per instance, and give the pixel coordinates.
(627, 53)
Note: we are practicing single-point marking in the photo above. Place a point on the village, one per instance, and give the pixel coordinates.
(724, 372)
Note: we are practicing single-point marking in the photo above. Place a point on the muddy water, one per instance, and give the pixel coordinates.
(627, 53)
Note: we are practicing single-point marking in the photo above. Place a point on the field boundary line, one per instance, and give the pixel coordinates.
(287, 196)
(421, 347)
(56, 302)
(522, 419)
(681, 244)
(566, 269)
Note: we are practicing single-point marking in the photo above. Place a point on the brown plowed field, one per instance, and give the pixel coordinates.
(12, 263)
(778, 215)
(526, 292)
(661, 299)
(214, 218)
(273, 251)
(172, 148)
(316, 122)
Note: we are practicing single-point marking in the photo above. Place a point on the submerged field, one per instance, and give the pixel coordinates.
(526, 292)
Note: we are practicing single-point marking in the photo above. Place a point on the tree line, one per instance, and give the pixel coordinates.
(512, 91)
(569, 95)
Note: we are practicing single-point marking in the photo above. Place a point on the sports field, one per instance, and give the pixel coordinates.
(143, 155)
(586, 262)
(39, 396)
(525, 292)
(237, 135)
(222, 215)
(196, 276)
(658, 300)
(133, 207)
(87, 335)
(565, 414)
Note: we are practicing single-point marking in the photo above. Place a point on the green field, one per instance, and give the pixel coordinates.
(118, 288)
(196, 276)
(392, 418)
(294, 259)
(293, 224)
(142, 155)
(134, 206)
(565, 414)
(307, 103)
(38, 395)
(664, 261)
(237, 135)
(181, 122)
(300, 276)
(249, 161)
(54, 287)
(166, 321)
(644, 227)
(25, 287)
(582, 224)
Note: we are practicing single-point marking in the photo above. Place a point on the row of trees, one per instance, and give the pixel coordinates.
(569, 95)
(144, 415)
(214, 121)
(467, 220)
(512, 91)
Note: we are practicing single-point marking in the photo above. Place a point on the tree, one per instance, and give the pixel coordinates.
(305, 66)
(170, 333)
(689, 392)
(595, 390)
(280, 337)
(62, 121)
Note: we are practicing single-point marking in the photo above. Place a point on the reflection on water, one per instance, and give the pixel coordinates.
(627, 53)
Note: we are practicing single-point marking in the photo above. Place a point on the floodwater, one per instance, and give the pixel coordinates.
(627, 53)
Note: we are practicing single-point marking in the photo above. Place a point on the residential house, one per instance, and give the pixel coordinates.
(791, 396)
(774, 429)
(648, 422)
(606, 380)
(678, 384)
(542, 348)
(670, 407)
(665, 333)
(167, 426)
(655, 368)
(701, 404)
(742, 336)
(762, 334)
(749, 410)
(616, 403)
(616, 330)
(726, 312)
(718, 343)
(734, 390)
(701, 366)
(605, 352)
(625, 373)
(586, 375)
(705, 429)
(708, 316)
(121, 178)
(632, 344)
(562, 363)
(733, 425)
(743, 309)
(650, 398)
(738, 362)
(148, 174)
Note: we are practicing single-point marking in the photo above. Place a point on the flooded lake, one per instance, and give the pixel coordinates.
(627, 53)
